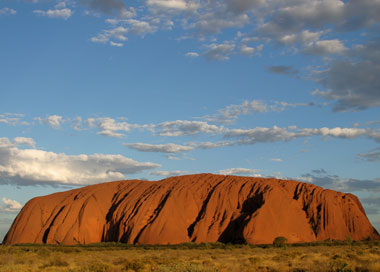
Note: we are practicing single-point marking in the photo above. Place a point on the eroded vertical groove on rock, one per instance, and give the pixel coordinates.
(190, 229)
(234, 231)
(156, 212)
(46, 233)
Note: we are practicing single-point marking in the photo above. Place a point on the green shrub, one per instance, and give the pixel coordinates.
(280, 241)
(349, 240)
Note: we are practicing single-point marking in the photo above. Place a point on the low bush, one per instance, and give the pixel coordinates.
(280, 241)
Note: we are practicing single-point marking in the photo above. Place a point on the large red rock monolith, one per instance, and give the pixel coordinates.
(192, 208)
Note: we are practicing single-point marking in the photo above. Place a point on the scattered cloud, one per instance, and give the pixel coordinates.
(7, 11)
(373, 123)
(372, 200)
(172, 5)
(33, 166)
(54, 121)
(355, 185)
(284, 22)
(163, 148)
(305, 38)
(77, 123)
(11, 206)
(210, 145)
(372, 204)
(174, 158)
(276, 160)
(214, 17)
(12, 119)
(108, 7)
(116, 44)
(219, 51)
(6, 143)
(192, 54)
(262, 134)
(240, 171)
(241, 6)
(322, 178)
(293, 16)
(372, 156)
(230, 113)
(110, 127)
(279, 106)
(117, 128)
(184, 127)
(60, 11)
(120, 29)
(138, 27)
(246, 50)
(326, 47)
(14, 114)
(275, 134)
(346, 133)
(168, 173)
(283, 70)
(353, 83)
(116, 33)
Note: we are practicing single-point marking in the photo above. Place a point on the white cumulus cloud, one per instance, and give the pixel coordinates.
(349, 133)
(11, 205)
(33, 166)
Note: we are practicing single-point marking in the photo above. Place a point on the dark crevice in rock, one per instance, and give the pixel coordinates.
(153, 217)
(234, 231)
(46, 233)
(190, 229)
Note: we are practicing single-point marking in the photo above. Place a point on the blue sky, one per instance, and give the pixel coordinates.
(100, 90)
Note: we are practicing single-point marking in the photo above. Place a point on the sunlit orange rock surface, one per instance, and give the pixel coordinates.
(193, 208)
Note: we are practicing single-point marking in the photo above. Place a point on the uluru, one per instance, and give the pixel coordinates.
(192, 208)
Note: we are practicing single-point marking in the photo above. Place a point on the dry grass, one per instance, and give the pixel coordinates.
(192, 257)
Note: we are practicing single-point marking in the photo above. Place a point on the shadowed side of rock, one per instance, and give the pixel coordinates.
(193, 208)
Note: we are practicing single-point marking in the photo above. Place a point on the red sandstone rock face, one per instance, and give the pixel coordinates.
(193, 208)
